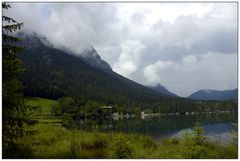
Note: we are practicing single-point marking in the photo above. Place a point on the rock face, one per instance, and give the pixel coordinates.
(215, 95)
(90, 56)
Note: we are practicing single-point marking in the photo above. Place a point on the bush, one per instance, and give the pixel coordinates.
(120, 148)
(148, 142)
(195, 144)
(174, 140)
(56, 110)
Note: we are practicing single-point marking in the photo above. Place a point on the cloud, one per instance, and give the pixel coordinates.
(194, 72)
(195, 35)
(151, 72)
(129, 58)
(70, 25)
(139, 40)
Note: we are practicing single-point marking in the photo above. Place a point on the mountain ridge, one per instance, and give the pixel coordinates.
(160, 88)
(207, 94)
(54, 73)
(89, 55)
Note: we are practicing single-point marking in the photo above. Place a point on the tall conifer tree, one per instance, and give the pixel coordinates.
(13, 107)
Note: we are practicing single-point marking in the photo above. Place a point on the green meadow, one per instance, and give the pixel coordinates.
(48, 139)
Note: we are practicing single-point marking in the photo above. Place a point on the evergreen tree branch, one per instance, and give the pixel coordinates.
(5, 5)
(8, 38)
(12, 28)
(8, 19)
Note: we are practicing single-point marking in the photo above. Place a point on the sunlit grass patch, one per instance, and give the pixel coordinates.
(45, 105)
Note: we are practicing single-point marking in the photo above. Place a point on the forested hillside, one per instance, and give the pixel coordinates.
(54, 73)
(160, 88)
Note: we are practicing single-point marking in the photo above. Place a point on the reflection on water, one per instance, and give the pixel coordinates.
(216, 126)
(219, 132)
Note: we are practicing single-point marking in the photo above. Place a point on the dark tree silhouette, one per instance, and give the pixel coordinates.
(13, 107)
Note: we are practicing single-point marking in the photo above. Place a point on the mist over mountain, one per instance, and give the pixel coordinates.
(53, 73)
(90, 56)
(215, 95)
(143, 45)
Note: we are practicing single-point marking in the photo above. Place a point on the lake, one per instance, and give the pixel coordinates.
(218, 126)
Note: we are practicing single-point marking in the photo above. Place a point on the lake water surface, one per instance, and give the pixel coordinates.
(218, 127)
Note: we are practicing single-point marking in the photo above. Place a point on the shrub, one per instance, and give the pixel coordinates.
(195, 144)
(120, 148)
(148, 142)
(174, 140)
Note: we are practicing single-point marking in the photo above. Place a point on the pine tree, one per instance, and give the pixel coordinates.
(13, 106)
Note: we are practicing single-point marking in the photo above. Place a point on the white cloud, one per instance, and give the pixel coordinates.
(151, 72)
(143, 41)
(166, 11)
(210, 71)
(129, 58)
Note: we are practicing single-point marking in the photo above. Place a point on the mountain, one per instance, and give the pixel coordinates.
(215, 95)
(90, 56)
(163, 90)
(54, 73)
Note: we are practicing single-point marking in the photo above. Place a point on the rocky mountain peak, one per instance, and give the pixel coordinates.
(90, 56)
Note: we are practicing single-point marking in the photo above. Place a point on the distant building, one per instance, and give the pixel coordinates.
(107, 107)
(115, 114)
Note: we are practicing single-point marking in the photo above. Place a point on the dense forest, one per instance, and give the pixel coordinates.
(53, 73)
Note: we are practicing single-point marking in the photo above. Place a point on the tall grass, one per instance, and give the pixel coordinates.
(52, 141)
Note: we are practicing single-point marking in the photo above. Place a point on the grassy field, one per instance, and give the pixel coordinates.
(50, 140)
(42, 109)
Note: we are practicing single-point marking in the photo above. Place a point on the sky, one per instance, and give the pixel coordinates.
(182, 46)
